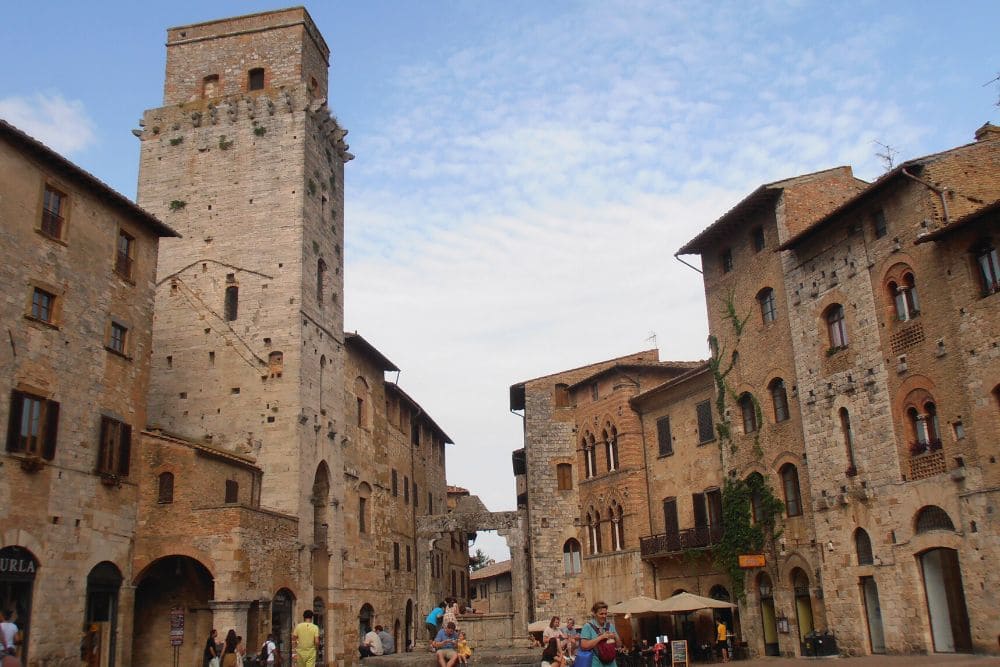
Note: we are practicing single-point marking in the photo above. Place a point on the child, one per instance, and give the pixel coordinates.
(463, 649)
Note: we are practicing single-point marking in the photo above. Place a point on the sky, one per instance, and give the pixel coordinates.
(526, 170)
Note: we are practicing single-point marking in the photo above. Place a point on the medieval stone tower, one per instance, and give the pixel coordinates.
(246, 162)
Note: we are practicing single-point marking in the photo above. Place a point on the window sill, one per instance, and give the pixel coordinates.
(706, 442)
(44, 323)
(117, 353)
(127, 278)
(54, 239)
(665, 456)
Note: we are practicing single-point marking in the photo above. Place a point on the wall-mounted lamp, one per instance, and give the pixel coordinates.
(829, 545)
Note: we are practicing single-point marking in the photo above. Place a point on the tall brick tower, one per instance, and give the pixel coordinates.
(245, 160)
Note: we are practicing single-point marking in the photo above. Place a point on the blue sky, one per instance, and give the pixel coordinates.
(525, 171)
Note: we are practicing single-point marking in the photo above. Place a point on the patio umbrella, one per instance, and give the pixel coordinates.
(538, 626)
(637, 605)
(687, 602)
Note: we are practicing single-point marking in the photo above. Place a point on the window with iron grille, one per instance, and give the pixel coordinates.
(32, 425)
(663, 437)
(255, 79)
(125, 256)
(933, 517)
(706, 428)
(115, 448)
(53, 206)
(43, 306)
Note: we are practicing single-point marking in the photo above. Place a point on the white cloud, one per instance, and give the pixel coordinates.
(63, 125)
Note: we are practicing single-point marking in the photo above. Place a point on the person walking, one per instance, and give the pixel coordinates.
(599, 630)
(305, 640)
(721, 641)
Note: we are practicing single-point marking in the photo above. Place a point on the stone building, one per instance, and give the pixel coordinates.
(490, 588)
(320, 466)
(78, 265)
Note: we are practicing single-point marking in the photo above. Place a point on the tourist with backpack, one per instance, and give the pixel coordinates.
(598, 639)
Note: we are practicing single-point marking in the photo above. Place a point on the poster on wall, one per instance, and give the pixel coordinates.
(176, 626)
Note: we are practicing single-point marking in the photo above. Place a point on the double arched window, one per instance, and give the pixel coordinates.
(594, 530)
(903, 293)
(790, 485)
(922, 422)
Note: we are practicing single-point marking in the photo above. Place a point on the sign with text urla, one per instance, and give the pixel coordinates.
(748, 561)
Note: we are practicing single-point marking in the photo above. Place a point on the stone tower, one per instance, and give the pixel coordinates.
(245, 160)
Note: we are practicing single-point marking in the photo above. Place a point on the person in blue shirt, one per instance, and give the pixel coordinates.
(599, 629)
(445, 644)
(434, 620)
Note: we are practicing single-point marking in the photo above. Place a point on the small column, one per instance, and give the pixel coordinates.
(126, 614)
(230, 614)
(519, 585)
(425, 599)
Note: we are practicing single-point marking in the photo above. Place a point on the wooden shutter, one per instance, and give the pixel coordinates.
(14, 422)
(714, 507)
(663, 436)
(51, 429)
(706, 430)
(670, 516)
(103, 446)
(700, 515)
(124, 449)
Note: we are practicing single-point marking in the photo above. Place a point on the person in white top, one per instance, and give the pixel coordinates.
(371, 645)
(8, 630)
(270, 648)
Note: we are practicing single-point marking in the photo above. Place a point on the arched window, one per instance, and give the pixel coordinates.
(989, 267)
(255, 79)
(590, 460)
(933, 517)
(320, 281)
(166, 488)
(749, 412)
(571, 557)
(617, 529)
(790, 484)
(836, 327)
(611, 447)
(863, 547)
(922, 422)
(779, 398)
(594, 531)
(276, 363)
(848, 433)
(904, 297)
(768, 305)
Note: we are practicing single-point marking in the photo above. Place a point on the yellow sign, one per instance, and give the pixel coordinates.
(748, 561)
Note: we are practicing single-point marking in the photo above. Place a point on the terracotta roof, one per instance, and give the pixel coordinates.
(456, 489)
(393, 387)
(93, 184)
(672, 382)
(356, 340)
(491, 570)
(962, 222)
(664, 365)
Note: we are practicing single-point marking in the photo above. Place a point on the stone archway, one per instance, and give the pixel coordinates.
(172, 584)
(469, 516)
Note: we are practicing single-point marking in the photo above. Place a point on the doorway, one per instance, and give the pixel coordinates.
(769, 621)
(803, 606)
(281, 622)
(18, 567)
(171, 583)
(873, 614)
(946, 601)
(101, 617)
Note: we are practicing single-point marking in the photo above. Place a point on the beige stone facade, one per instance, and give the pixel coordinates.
(78, 262)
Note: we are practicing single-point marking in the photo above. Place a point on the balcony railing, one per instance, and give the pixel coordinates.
(680, 541)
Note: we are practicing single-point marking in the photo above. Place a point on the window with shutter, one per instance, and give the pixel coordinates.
(32, 425)
(714, 498)
(670, 524)
(114, 448)
(706, 429)
(700, 513)
(663, 436)
(232, 491)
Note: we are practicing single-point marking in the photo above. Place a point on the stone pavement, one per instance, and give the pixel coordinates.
(518, 657)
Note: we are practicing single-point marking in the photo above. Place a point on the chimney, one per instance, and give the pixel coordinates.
(988, 132)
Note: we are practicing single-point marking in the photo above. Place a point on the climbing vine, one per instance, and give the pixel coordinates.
(744, 531)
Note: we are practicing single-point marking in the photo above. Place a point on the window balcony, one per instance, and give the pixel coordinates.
(680, 541)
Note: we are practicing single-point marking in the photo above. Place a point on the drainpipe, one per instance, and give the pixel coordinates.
(938, 191)
(690, 266)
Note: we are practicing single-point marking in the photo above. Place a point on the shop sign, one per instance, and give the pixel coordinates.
(749, 561)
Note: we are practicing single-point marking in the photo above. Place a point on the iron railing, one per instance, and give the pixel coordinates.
(678, 541)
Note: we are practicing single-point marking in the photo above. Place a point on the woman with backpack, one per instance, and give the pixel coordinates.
(599, 637)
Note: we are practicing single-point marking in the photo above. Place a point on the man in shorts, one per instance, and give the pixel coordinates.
(305, 640)
(444, 644)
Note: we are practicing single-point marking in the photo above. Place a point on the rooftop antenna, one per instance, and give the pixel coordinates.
(651, 338)
(888, 154)
(995, 79)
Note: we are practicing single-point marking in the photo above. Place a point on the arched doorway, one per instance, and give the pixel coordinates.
(18, 567)
(945, 595)
(395, 634)
(720, 592)
(282, 607)
(319, 618)
(365, 619)
(769, 622)
(100, 626)
(873, 614)
(409, 628)
(177, 584)
(803, 606)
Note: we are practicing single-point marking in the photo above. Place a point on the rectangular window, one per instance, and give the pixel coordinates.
(43, 306)
(409, 559)
(232, 491)
(430, 503)
(362, 510)
(706, 429)
(406, 490)
(395, 556)
(726, 259)
(115, 448)
(53, 206)
(758, 239)
(118, 339)
(663, 436)
(255, 79)
(594, 393)
(32, 425)
(416, 496)
(232, 302)
(125, 256)
(564, 476)
(395, 484)
(415, 434)
(879, 224)
(700, 512)
(670, 525)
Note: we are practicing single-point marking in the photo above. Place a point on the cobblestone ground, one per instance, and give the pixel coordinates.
(870, 661)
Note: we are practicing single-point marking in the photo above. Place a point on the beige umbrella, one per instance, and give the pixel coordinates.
(637, 605)
(538, 626)
(685, 602)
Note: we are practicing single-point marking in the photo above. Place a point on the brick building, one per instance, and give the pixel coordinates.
(872, 416)
(78, 262)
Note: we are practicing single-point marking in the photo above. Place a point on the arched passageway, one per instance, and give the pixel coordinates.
(173, 584)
